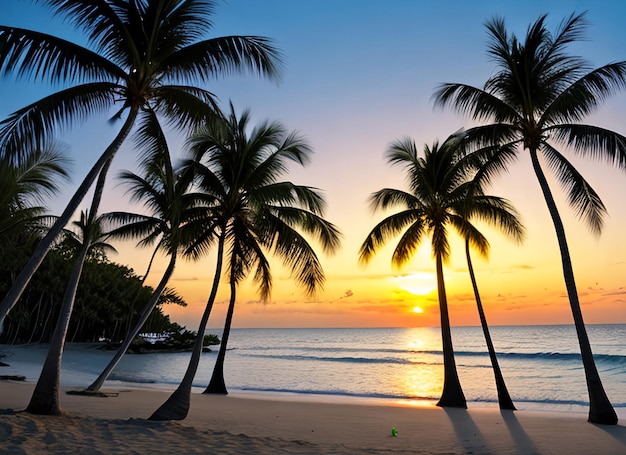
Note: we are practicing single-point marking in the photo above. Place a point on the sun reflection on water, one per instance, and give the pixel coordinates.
(423, 380)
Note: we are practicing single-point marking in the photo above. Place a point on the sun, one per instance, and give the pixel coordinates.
(417, 309)
(417, 283)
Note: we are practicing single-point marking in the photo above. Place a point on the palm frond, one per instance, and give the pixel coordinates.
(477, 104)
(30, 54)
(223, 55)
(408, 243)
(28, 127)
(581, 196)
(592, 141)
(99, 20)
(36, 176)
(389, 197)
(185, 107)
(587, 93)
(326, 233)
(497, 212)
(471, 234)
(296, 254)
(286, 194)
(387, 229)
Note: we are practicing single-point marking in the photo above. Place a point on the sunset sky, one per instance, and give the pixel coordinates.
(358, 75)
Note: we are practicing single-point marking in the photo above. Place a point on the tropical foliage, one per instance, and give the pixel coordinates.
(169, 206)
(251, 214)
(444, 192)
(535, 102)
(142, 55)
(103, 308)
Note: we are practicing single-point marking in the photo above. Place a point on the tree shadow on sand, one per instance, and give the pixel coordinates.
(472, 440)
(467, 433)
(520, 438)
(618, 432)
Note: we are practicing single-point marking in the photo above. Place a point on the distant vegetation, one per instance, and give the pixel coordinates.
(179, 340)
(109, 299)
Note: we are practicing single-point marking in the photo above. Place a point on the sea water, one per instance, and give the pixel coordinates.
(540, 364)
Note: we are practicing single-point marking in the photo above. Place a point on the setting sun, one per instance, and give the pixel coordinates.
(417, 309)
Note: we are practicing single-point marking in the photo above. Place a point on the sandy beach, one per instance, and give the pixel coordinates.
(239, 424)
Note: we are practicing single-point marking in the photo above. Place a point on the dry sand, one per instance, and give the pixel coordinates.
(251, 425)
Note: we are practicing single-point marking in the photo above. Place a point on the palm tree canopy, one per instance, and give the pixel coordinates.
(535, 101)
(238, 168)
(443, 192)
(162, 191)
(88, 234)
(140, 54)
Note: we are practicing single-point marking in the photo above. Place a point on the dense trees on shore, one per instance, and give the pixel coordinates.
(110, 298)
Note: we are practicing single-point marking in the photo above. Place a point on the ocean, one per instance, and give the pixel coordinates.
(541, 365)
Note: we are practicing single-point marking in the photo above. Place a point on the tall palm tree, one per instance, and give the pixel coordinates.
(440, 183)
(536, 102)
(252, 213)
(45, 398)
(164, 193)
(142, 54)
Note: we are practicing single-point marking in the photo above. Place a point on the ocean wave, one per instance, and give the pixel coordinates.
(605, 359)
(341, 393)
(347, 359)
(344, 393)
(556, 356)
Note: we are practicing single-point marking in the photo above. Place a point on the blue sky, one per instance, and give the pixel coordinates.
(358, 75)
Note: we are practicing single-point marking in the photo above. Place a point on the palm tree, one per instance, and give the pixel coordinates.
(536, 101)
(251, 213)
(164, 193)
(504, 216)
(142, 55)
(45, 398)
(441, 194)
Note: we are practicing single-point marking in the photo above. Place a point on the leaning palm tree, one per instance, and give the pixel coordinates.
(91, 240)
(440, 183)
(536, 102)
(142, 54)
(500, 214)
(164, 193)
(252, 214)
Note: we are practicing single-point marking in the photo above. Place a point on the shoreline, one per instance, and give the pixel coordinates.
(250, 424)
(29, 358)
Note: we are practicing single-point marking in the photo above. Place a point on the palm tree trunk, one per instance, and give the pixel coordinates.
(130, 336)
(24, 277)
(145, 275)
(452, 395)
(131, 305)
(217, 384)
(45, 398)
(35, 328)
(176, 407)
(504, 399)
(600, 408)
